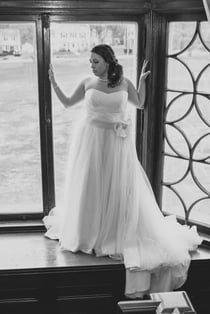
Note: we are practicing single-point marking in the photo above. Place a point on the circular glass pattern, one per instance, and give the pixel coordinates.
(195, 57)
(177, 140)
(205, 34)
(193, 126)
(179, 107)
(200, 173)
(200, 211)
(170, 96)
(179, 77)
(201, 149)
(201, 163)
(180, 36)
(204, 80)
(175, 169)
(189, 191)
(171, 203)
(203, 108)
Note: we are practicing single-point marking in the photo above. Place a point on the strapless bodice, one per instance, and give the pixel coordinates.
(106, 106)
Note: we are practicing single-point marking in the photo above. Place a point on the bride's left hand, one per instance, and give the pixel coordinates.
(144, 73)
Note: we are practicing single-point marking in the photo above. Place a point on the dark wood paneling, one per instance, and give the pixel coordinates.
(120, 6)
(88, 289)
(177, 5)
(198, 286)
(155, 53)
(131, 6)
(60, 290)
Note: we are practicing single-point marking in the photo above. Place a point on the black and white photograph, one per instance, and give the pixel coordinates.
(104, 156)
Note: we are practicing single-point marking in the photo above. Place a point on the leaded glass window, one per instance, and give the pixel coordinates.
(186, 171)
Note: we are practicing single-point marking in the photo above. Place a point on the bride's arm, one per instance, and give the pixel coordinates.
(137, 96)
(77, 95)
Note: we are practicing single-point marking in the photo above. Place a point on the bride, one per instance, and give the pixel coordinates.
(109, 206)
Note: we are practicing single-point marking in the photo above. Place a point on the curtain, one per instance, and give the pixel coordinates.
(206, 4)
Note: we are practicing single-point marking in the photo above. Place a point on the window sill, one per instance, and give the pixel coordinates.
(206, 241)
(38, 226)
(21, 226)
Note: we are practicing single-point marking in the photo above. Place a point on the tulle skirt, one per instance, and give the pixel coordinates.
(109, 209)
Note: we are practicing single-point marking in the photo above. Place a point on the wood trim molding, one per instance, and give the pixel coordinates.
(116, 6)
(83, 6)
(173, 6)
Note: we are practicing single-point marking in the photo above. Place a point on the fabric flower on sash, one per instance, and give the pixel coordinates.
(122, 128)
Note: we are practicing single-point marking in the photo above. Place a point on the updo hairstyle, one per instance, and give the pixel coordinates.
(115, 70)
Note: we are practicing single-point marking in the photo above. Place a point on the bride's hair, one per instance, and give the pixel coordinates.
(115, 70)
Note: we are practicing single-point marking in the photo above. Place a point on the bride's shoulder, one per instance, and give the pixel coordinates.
(89, 82)
(125, 83)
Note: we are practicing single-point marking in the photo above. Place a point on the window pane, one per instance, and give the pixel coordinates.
(70, 48)
(186, 179)
(20, 167)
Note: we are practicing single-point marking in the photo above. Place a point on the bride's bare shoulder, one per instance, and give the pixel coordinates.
(89, 82)
(126, 81)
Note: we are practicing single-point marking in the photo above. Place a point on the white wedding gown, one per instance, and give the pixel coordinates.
(109, 206)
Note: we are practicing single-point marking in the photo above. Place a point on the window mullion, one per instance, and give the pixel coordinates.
(45, 114)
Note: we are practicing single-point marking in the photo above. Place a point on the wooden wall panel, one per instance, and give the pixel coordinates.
(82, 290)
(88, 290)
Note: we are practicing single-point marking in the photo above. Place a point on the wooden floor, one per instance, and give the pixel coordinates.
(38, 277)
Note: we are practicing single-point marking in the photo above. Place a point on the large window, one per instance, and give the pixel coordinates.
(35, 128)
(35, 132)
(186, 177)
(20, 162)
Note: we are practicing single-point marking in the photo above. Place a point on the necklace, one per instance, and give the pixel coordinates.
(103, 80)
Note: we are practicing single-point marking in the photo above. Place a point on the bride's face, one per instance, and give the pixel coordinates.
(98, 65)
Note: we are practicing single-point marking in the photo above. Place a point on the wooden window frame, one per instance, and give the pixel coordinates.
(153, 148)
(32, 221)
(45, 127)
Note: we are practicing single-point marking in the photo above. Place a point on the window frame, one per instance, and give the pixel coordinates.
(45, 104)
(44, 125)
(155, 128)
